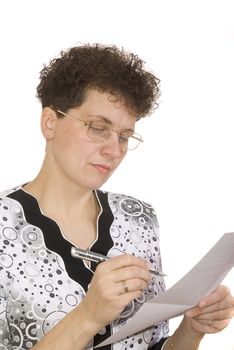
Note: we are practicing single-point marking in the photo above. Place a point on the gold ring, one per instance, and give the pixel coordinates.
(125, 287)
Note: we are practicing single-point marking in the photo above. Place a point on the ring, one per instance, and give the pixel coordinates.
(125, 287)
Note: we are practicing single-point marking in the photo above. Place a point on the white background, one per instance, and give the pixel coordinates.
(185, 166)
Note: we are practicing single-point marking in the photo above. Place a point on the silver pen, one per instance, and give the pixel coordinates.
(96, 257)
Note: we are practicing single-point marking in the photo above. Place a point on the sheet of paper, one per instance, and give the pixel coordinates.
(201, 280)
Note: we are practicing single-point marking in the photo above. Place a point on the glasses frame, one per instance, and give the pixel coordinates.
(135, 136)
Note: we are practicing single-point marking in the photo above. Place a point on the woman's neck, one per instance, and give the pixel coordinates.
(75, 212)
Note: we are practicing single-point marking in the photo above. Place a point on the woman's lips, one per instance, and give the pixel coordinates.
(102, 169)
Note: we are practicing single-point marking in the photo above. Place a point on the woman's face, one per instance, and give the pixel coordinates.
(74, 157)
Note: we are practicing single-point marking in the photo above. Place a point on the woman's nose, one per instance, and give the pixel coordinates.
(113, 147)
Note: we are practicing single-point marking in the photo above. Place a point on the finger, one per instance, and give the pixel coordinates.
(217, 300)
(124, 267)
(210, 326)
(132, 285)
(224, 306)
(111, 280)
(131, 272)
(124, 260)
(216, 315)
(220, 293)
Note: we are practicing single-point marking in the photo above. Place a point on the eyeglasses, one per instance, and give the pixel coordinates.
(100, 132)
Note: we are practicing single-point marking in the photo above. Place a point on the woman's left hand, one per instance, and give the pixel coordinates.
(213, 313)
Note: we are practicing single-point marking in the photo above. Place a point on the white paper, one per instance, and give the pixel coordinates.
(200, 281)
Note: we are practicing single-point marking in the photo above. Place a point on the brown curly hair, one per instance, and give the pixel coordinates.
(66, 79)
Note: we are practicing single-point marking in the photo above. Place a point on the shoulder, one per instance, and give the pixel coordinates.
(128, 205)
(120, 197)
(5, 193)
(6, 202)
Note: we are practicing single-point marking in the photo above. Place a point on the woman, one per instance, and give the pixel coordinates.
(91, 98)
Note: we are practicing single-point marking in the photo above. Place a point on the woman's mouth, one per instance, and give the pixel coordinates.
(102, 169)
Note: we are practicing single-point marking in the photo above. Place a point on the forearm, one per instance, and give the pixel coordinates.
(75, 331)
(184, 338)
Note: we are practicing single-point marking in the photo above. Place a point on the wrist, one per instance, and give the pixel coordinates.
(185, 337)
(90, 324)
(189, 332)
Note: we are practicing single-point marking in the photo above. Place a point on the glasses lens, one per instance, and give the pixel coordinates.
(134, 141)
(98, 131)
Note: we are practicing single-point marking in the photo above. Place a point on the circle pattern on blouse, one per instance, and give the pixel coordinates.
(40, 292)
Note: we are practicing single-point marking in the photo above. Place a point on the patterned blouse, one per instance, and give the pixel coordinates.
(40, 282)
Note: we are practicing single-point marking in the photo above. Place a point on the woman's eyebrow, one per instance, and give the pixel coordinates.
(106, 120)
(102, 117)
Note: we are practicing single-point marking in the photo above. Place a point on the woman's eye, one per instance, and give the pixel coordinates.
(125, 136)
(98, 128)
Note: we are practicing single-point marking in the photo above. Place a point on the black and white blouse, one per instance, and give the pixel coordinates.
(40, 282)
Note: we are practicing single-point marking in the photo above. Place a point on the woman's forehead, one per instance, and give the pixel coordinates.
(106, 107)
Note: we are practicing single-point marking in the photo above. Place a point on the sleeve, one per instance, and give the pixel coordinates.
(5, 335)
(161, 330)
(135, 230)
(6, 278)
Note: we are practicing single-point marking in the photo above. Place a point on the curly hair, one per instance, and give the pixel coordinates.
(65, 81)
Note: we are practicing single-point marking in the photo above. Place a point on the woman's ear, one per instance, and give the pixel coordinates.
(48, 122)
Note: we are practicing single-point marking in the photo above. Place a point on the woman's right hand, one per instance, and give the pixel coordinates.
(116, 282)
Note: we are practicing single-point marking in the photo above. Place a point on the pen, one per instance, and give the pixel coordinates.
(96, 257)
